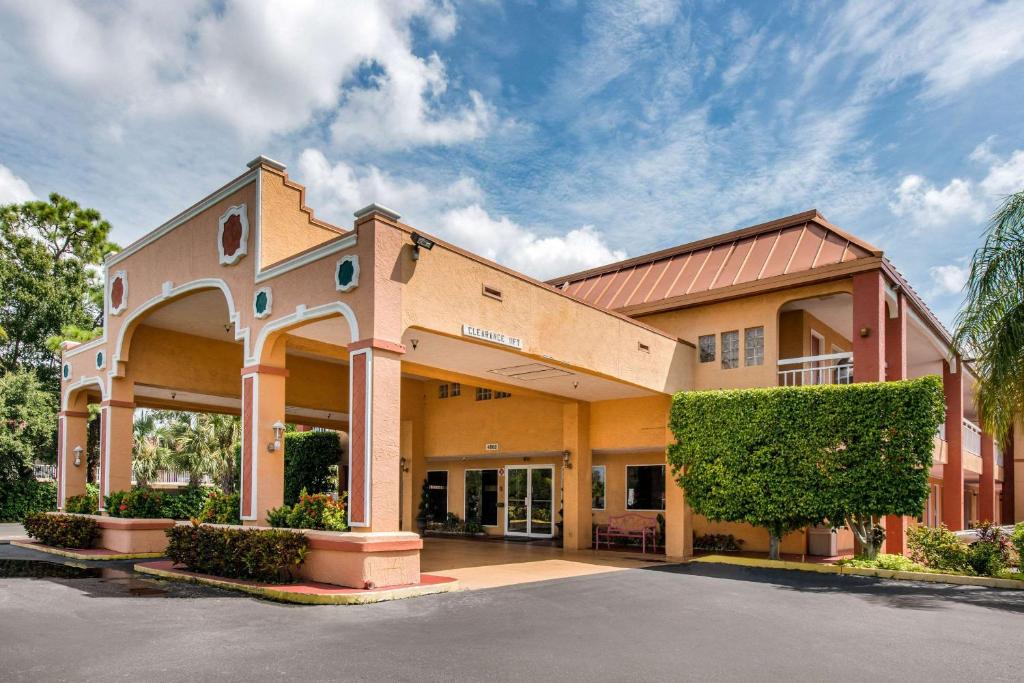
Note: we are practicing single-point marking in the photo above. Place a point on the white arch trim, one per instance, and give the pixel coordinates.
(303, 314)
(169, 291)
(78, 384)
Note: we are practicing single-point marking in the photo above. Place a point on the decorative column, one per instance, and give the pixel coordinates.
(952, 471)
(1016, 474)
(869, 327)
(262, 471)
(117, 439)
(678, 515)
(72, 432)
(987, 483)
(375, 394)
(577, 500)
(895, 370)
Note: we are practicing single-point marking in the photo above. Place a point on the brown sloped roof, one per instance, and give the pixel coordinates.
(794, 244)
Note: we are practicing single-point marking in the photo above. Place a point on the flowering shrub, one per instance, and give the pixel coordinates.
(85, 504)
(268, 555)
(884, 561)
(990, 554)
(140, 503)
(187, 502)
(938, 548)
(65, 531)
(312, 511)
(221, 508)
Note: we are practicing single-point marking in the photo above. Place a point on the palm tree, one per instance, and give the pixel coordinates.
(203, 444)
(149, 452)
(991, 324)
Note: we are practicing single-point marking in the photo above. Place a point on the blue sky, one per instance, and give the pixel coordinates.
(549, 136)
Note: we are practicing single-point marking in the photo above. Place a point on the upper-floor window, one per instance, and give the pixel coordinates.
(448, 390)
(442, 391)
(455, 389)
(501, 394)
(706, 345)
(753, 346)
(730, 350)
(483, 394)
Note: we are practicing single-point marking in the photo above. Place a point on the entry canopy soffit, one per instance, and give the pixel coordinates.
(801, 243)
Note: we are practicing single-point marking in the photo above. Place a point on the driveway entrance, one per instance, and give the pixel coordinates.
(490, 564)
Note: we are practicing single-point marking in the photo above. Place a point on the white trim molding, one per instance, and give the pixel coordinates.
(354, 282)
(123, 277)
(302, 314)
(265, 313)
(243, 244)
(368, 434)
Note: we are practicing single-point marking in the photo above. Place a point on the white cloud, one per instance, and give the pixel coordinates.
(261, 68)
(455, 212)
(1005, 177)
(13, 190)
(929, 206)
(949, 278)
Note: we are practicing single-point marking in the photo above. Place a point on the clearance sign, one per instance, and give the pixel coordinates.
(494, 337)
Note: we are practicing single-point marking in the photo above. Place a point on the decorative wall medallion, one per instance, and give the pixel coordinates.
(262, 302)
(233, 235)
(346, 273)
(100, 360)
(65, 371)
(118, 292)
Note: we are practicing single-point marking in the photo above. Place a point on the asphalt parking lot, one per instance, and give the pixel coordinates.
(672, 622)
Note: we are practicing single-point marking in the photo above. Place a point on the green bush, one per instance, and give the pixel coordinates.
(22, 497)
(312, 511)
(1017, 541)
(268, 555)
(139, 503)
(64, 531)
(187, 503)
(897, 563)
(310, 463)
(84, 504)
(989, 555)
(717, 542)
(221, 508)
(938, 548)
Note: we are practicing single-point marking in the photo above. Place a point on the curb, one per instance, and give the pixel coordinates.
(930, 577)
(284, 595)
(63, 552)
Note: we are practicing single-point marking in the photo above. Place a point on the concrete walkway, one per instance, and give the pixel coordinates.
(491, 564)
(12, 532)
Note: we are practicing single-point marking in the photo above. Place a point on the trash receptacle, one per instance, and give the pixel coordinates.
(822, 541)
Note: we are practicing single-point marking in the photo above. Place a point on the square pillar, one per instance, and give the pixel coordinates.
(1016, 473)
(375, 395)
(869, 327)
(953, 472)
(577, 492)
(895, 370)
(72, 432)
(678, 515)
(262, 470)
(987, 482)
(117, 439)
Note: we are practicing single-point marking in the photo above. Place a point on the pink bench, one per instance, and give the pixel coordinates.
(628, 526)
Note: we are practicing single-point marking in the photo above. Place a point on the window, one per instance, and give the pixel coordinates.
(455, 389)
(442, 391)
(483, 394)
(437, 496)
(645, 487)
(597, 487)
(707, 348)
(501, 394)
(753, 346)
(482, 497)
(730, 350)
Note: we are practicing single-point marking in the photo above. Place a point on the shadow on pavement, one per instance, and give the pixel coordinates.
(887, 592)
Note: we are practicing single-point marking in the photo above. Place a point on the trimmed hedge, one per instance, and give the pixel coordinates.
(138, 503)
(311, 463)
(63, 531)
(221, 508)
(84, 504)
(785, 457)
(186, 503)
(267, 555)
(23, 497)
(313, 511)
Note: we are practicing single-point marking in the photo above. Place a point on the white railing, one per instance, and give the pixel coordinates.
(44, 471)
(171, 477)
(830, 368)
(971, 437)
(998, 453)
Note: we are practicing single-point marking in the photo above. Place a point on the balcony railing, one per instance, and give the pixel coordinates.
(830, 368)
(172, 477)
(44, 471)
(972, 437)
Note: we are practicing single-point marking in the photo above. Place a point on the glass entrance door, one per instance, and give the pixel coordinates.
(529, 503)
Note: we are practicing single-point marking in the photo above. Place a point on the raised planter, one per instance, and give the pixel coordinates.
(131, 536)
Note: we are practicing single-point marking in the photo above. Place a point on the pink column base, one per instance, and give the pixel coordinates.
(132, 536)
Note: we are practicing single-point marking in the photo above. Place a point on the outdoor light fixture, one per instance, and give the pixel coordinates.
(418, 241)
(415, 343)
(566, 462)
(78, 456)
(278, 435)
(403, 464)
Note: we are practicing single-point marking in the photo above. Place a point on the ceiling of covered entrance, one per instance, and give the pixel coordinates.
(493, 365)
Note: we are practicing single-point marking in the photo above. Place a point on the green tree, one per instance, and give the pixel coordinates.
(990, 326)
(787, 457)
(49, 253)
(28, 424)
(202, 444)
(149, 451)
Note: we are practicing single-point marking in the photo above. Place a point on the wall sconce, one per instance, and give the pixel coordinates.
(865, 332)
(78, 456)
(566, 462)
(278, 435)
(403, 464)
